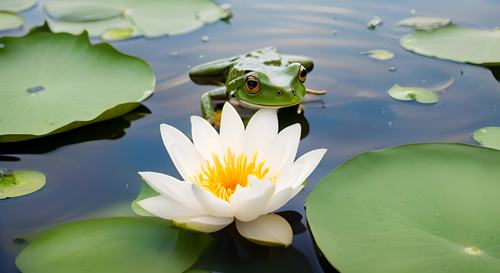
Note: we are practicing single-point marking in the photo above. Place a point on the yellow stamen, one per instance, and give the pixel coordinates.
(222, 177)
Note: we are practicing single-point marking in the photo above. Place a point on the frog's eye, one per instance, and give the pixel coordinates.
(252, 84)
(302, 74)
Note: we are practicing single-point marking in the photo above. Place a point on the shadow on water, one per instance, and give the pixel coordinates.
(495, 70)
(231, 253)
(110, 129)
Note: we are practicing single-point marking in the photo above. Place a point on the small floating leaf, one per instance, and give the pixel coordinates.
(488, 137)
(16, 5)
(116, 34)
(459, 44)
(81, 84)
(113, 245)
(145, 192)
(10, 21)
(151, 18)
(379, 54)
(418, 94)
(20, 182)
(374, 22)
(413, 208)
(424, 23)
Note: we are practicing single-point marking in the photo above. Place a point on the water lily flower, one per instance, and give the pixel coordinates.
(240, 175)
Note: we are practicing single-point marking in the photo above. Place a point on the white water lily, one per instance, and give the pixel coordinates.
(240, 174)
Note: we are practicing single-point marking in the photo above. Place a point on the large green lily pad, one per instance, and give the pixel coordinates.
(20, 182)
(488, 137)
(113, 245)
(413, 208)
(455, 43)
(50, 83)
(151, 18)
(16, 5)
(10, 21)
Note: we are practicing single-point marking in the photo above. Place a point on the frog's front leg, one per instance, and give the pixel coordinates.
(207, 107)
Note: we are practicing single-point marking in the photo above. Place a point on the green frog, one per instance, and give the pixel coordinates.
(262, 78)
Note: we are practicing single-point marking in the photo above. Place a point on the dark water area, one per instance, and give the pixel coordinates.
(92, 171)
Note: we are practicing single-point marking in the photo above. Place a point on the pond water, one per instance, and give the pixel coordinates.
(92, 171)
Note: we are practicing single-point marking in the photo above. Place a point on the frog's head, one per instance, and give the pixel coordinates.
(274, 87)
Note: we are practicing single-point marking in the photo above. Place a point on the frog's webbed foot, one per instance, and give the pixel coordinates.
(315, 92)
(207, 107)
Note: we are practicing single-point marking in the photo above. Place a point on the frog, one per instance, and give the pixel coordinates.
(262, 78)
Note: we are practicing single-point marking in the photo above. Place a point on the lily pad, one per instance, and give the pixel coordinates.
(413, 208)
(418, 94)
(151, 18)
(488, 137)
(10, 21)
(374, 22)
(424, 23)
(113, 245)
(455, 43)
(379, 54)
(16, 5)
(20, 182)
(145, 192)
(51, 83)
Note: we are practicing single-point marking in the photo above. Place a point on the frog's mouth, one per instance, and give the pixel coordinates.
(258, 106)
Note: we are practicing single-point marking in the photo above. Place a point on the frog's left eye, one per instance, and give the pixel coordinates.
(302, 74)
(252, 84)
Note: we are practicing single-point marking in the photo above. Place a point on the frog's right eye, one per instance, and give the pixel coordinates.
(252, 84)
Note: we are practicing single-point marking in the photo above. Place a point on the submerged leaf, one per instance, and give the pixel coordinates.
(488, 137)
(418, 94)
(460, 44)
(20, 182)
(16, 5)
(10, 21)
(379, 54)
(113, 245)
(424, 23)
(50, 83)
(413, 209)
(151, 18)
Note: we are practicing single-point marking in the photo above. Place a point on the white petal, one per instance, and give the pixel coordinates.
(170, 186)
(184, 156)
(279, 199)
(273, 155)
(231, 129)
(292, 135)
(261, 129)
(296, 190)
(204, 223)
(249, 202)
(309, 161)
(268, 229)
(290, 177)
(211, 203)
(205, 138)
(167, 208)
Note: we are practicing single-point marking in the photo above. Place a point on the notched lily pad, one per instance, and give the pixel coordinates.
(16, 5)
(421, 95)
(424, 23)
(145, 192)
(20, 182)
(149, 18)
(413, 208)
(455, 43)
(379, 54)
(51, 83)
(113, 245)
(9, 21)
(488, 137)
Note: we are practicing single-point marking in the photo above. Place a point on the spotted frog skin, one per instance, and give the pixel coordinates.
(262, 78)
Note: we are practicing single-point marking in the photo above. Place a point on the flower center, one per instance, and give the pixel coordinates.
(221, 176)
